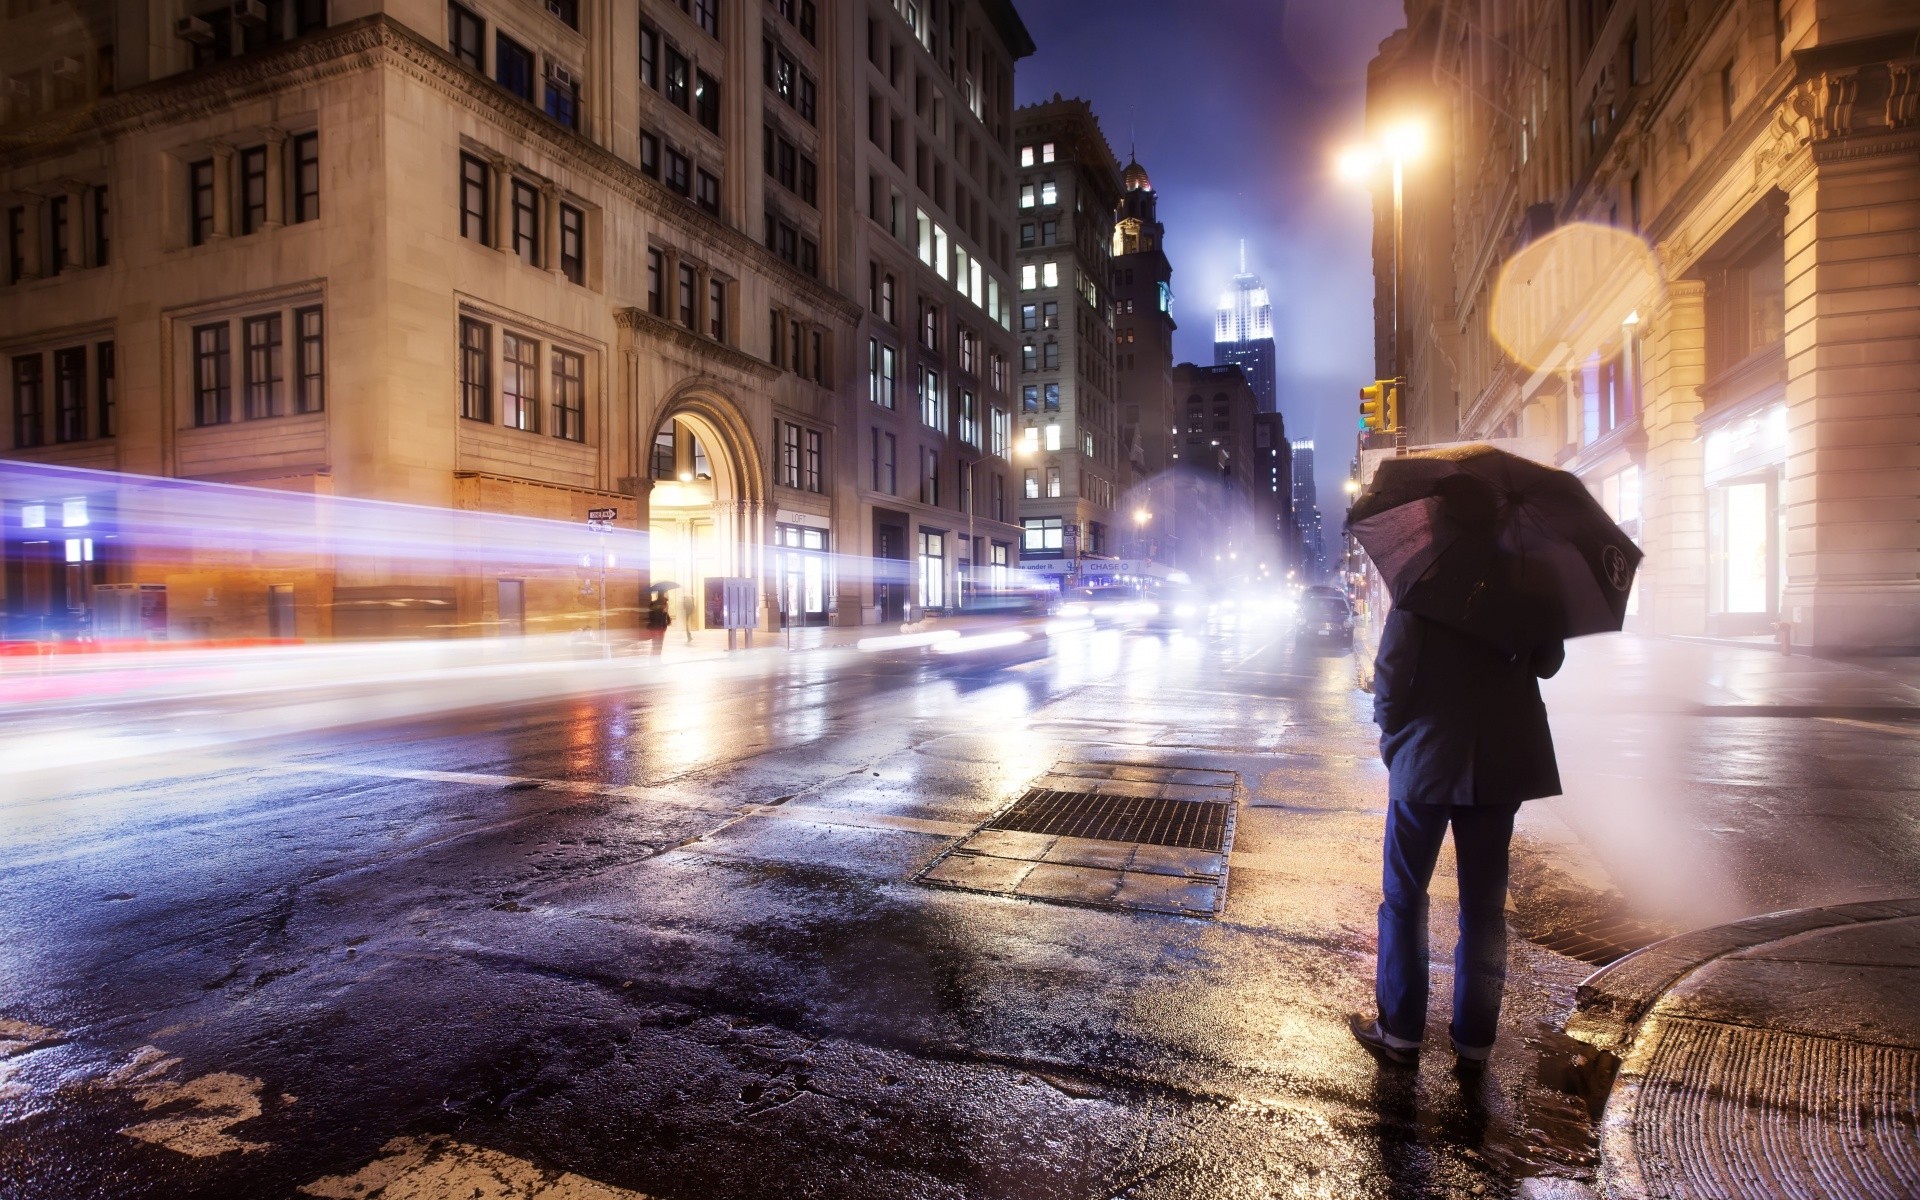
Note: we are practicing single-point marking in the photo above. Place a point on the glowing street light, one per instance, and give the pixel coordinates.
(1397, 144)
(1141, 516)
(1351, 487)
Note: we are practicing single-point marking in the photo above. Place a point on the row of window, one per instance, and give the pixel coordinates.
(64, 239)
(1044, 357)
(514, 65)
(791, 245)
(676, 172)
(884, 476)
(664, 69)
(515, 400)
(883, 391)
(524, 231)
(789, 80)
(269, 385)
(801, 457)
(680, 299)
(82, 409)
(248, 177)
(792, 167)
(797, 346)
(1043, 152)
(226, 30)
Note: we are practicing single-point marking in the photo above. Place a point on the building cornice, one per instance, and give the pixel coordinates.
(365, 44)
(639, 320)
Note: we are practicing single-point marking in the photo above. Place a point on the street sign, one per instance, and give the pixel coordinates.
(603, 514)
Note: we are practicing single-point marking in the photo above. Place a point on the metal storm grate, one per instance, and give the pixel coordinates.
(1190, 824)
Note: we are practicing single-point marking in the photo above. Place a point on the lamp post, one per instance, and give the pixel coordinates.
(1396, 146)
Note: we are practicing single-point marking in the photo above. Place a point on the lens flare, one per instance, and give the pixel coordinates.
(1565, 298)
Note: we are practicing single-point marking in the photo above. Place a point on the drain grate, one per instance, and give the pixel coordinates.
(1155, 821)
(1600, 941)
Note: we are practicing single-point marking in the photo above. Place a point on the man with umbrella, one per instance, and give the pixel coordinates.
(1492, 561)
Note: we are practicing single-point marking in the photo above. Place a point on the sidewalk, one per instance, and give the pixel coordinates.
(1777, 1056)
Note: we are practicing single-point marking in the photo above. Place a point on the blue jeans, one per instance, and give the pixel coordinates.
(1480, 837)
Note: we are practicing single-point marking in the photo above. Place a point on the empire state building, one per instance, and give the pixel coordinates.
(1243, 333)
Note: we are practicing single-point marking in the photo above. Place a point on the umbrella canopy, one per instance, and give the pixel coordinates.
(1495, 545)
(661, 588)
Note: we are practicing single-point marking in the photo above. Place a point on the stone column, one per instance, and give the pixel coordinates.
(550, 227)
(503, 204)
(700, 277)
(223, 185)
(276, 178)
(1673, 498)
(670, 285)
(1852, 489)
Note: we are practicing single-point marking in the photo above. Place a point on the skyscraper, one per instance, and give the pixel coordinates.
(1143, 324)
(1306, 514)
(1243, 333)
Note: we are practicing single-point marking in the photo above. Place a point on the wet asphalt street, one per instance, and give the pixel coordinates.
(666, 942)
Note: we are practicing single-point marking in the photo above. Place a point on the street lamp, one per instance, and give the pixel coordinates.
(1396, 145)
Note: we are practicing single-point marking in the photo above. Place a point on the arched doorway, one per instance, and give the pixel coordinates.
(705, 508)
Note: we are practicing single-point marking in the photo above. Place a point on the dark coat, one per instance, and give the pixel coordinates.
(1461, 720)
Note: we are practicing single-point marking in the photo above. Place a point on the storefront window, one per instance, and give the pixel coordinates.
(933, 569)
(803, 569)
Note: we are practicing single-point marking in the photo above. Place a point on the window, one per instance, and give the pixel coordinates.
(881, 361)
(929, 476)
(706, 14)
(106, 400)
(1050, 275)
(1026, 195)
(70, 395)
(774, 326)
(787, 470)
(932, 411)
(1053, 397)
(16, 243)
(1030, 398)
(685, 294)
(265, 392)
(1029, 277)
(569, 396)
(513, 66)
(1049, 233)
(706, 192)
(573, 236)
(1053, 483)
(675, 81)
(1029, 317)
(706, 101)
(526, 222)
(476, 370)
(656, 284)
(1002, 433)
(212, 375)
(886, 298)
(890, 464)
(969, 418)
(1053, 437)
(662, 462)
(1049, 193)
(29, 425)
(1029, 357)
(475, 201)
(881, 461)
(679, 171)
(200, 201)
(930, 326)
(253, 188)
(650, 155)
(306, 177)
(813, 473)
(649, 56)
(519, 382)
(1026, 156)
(1050, 314)
(566, 10)
(100, 243)
(717, 309)
(1032, 481)
(310, 360)
(1046, 152)
(465, 36)
(1050, 356)
(57, 227)
(1041, 534)
(819, 359)
(563, 96)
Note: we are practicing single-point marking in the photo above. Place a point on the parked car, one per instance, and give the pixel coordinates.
(1325, 617)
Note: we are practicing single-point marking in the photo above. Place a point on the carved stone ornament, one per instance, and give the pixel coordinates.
(1833, 94)
(1903, 93)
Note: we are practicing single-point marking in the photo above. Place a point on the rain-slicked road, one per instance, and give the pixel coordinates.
(665, 941)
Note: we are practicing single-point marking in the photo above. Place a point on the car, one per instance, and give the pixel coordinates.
(1176, 607)
(1108, 605)
(1324, 616)
(987, 628)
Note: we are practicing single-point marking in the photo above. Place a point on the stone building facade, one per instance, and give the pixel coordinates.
(1073, 462)
(529, 259)
(1743, 393)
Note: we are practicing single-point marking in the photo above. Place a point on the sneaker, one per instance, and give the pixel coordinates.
(1470, 1062)
(1381, 1044)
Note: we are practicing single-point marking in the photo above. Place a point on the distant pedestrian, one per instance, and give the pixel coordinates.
(1465, 738)
(657, 622)
(686, 614)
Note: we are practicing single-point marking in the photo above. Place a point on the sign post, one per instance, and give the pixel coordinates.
(600, 520)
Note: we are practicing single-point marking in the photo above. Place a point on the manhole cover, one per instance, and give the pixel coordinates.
(1110, 835)
(1154, 821)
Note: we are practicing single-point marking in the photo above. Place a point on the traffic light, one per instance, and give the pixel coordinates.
(1390, 410)
(1373, 405)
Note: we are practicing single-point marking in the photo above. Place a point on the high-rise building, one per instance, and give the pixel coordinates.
(1243, 333)
(1143, 321)
(1306, 515)
(525, 259)
(931, 497)
(1224, 505)
(1071, 458)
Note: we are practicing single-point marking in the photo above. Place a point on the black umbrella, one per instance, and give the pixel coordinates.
(661, 588)
(1495, 545)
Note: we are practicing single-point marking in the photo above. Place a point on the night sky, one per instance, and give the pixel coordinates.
(1236, 108)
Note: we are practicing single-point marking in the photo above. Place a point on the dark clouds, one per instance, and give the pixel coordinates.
(1235, 108)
